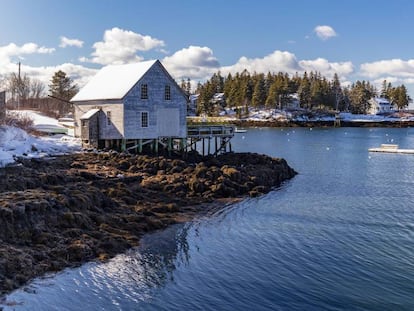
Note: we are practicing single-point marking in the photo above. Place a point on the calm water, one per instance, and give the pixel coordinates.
(339, 236)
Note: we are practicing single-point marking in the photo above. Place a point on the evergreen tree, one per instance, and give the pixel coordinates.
(384, 90)
(304, 91)
(188, 87)
(268, 82)
(359, 95)
(259, 92)
(400, 97)
(246, 87)
(62, 87)
(183, 86)
(204, 103)
(336, 91)
(217, 82)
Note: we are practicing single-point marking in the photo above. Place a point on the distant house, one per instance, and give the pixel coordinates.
(378, 105)
(192, 106)
(218, 98)
(130, 105)
(293, 102)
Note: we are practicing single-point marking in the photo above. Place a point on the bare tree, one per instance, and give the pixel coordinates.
(19, 88)
(37, 89)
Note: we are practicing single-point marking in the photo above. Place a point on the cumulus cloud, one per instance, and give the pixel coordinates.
(325, 32)
(275, 62)
(79, 74)
(395, 71)
(392, 67)
(283, 61)
(194, 62)
(199, 63)
(9, 53)
(121, 46)
(65, 42)
(327, 68)
(11, 50)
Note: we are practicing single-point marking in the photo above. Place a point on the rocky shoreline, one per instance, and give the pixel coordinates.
(64, 211)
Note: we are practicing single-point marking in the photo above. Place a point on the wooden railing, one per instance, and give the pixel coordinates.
(205, 131)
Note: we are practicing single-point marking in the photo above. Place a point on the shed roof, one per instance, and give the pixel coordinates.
(113, 82)
(89, 114)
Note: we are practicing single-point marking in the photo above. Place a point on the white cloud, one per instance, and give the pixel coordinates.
(194, 62)
(391, 80)
(396, 71)
(13, 50)
(79, 74)
(10, 53)
(121, 46)
(275, 62)
(392, 67)
(326, 68)
(325, 32)
(65, 42)
(283, 61)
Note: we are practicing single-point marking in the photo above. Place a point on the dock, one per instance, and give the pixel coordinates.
(391, 148)
(207, 139)
(205, 135)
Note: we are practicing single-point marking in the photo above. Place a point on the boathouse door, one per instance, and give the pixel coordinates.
(168, 122)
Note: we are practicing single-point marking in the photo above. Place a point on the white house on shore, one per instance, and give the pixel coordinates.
(293, 102)
(378, 105)
(129, 106)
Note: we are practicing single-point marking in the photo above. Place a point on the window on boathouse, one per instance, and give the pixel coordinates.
(144, 91)
(167, 92)
(144, 119)
(108, 118)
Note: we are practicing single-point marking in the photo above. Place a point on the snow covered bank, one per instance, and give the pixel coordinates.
(43, 123)
(15, 142)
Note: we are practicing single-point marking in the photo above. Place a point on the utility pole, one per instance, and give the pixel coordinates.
(19, 88)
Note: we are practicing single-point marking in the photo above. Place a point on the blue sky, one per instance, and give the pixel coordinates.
(370, 40)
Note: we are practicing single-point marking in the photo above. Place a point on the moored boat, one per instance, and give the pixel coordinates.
(240, 130)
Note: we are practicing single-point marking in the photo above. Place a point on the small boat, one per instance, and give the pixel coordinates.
(240, 130)
(391, 148)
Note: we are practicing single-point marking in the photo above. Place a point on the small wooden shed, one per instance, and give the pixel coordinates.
(128, 106)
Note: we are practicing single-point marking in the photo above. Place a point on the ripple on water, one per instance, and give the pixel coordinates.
(337, 237)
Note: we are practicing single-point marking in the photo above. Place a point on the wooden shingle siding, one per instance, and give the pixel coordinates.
(112, 131)
(156, 79)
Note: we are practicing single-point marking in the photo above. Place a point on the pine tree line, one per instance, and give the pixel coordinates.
(277, 90)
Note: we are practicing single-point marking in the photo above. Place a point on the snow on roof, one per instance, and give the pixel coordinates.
(113, 82)
(382, 100)
(89, 114)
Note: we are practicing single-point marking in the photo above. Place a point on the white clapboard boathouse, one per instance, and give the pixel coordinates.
(136, 107)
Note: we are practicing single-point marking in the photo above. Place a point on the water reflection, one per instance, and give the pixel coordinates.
(124, 281)
(339, 236)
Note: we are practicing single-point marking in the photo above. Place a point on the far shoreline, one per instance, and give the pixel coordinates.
(323, 123)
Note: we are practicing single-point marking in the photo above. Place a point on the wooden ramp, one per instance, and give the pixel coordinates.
(391, 148)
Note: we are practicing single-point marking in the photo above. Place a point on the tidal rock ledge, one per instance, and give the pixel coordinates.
(63, 211)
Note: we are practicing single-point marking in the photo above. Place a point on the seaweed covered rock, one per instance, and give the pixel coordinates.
(60, 212)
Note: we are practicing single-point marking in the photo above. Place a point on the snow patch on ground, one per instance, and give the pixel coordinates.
(15, 142)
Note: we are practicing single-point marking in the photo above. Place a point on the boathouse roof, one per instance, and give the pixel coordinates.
(113, 81)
